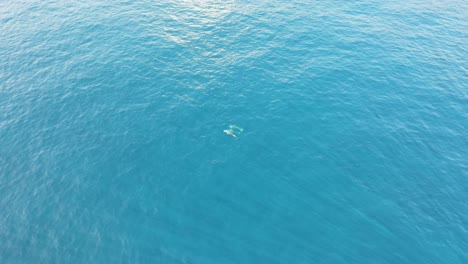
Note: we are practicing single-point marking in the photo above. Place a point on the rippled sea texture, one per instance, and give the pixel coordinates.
(355, 148)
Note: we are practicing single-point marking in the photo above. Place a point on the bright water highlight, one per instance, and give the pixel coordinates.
(354, 149)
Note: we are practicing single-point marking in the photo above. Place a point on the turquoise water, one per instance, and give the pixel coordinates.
(354, 149)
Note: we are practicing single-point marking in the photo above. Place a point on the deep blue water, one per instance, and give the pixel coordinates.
(354, 150)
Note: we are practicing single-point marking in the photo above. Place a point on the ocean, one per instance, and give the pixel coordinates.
(218, 132)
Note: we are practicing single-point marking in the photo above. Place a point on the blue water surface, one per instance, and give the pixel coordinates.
(354, 149)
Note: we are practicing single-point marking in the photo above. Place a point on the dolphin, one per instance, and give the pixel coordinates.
(235, 128)
(230, 132)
